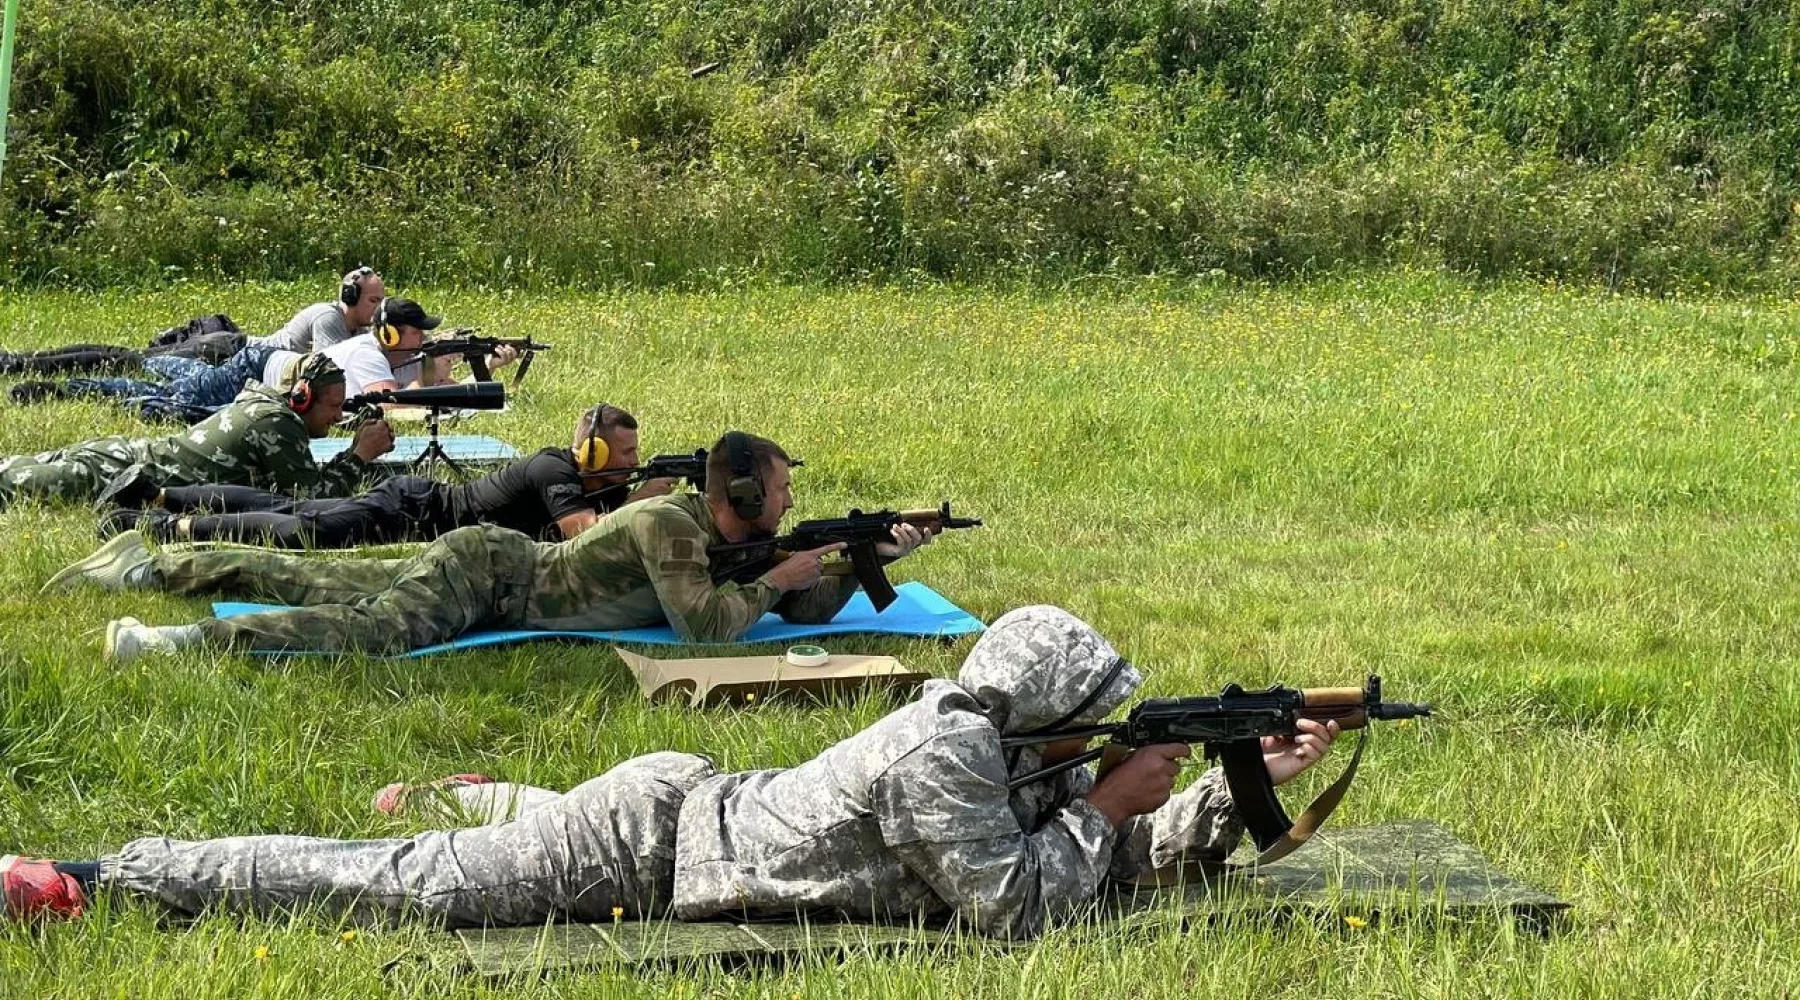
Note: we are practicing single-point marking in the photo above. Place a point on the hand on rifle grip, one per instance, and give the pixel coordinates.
(374, 438)
(802, 569)
(1141, 783)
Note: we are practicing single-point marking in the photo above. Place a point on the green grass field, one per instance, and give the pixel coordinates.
(1567, 519)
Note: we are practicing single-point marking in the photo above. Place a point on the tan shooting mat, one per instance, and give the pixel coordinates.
(714, 680)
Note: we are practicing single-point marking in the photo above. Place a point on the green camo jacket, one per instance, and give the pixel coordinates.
(256, 441)
(646, 563)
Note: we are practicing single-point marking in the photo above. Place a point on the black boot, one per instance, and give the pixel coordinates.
(27, 393)
(132, 487)
(157, 524)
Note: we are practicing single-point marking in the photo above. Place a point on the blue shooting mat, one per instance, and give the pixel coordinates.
(462, 448)
(919, 612)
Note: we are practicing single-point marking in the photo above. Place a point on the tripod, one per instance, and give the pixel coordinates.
(434, 454)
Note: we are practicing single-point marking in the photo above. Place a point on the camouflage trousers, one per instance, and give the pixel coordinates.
(474, 577)
(76, 474)
(609, 842)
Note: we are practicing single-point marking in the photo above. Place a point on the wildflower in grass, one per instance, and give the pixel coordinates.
(1356, 923)
(262, 953)
(347, 937)
(618, 912)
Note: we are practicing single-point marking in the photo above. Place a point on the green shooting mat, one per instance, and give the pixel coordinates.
(1361, 871)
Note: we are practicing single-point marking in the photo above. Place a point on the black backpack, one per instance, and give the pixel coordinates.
(213, 339)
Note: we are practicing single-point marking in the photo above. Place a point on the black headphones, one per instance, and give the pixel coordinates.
(745, 488)
(350, 292)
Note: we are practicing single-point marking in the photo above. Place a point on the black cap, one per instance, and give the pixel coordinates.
(406, 312)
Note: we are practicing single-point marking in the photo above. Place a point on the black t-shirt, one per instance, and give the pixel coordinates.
(530, 495)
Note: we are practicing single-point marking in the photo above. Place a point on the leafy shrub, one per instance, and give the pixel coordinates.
(1651, 144)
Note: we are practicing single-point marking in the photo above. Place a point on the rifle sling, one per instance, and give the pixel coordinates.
(1192, 871)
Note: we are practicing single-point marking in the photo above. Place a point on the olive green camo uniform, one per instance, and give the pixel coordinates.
(256, 441)
(645, 564)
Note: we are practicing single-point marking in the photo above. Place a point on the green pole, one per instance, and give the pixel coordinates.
(6, 47)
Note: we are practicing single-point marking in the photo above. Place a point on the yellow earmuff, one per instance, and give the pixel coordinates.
(386, 334)
(591, 454)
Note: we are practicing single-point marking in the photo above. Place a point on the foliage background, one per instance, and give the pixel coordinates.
(1644, 143)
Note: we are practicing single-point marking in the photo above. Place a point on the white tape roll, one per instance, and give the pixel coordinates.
(807, 656)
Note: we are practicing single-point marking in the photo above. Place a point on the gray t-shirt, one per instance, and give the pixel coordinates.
(314, 328)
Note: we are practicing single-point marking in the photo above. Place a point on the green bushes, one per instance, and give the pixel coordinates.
(514, 141)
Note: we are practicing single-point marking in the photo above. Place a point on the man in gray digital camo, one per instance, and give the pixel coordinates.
(908, 819)
(260, 440)
(644, 564)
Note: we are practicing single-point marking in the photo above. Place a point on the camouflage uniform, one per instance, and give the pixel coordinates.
(909, 818)
(644, 564)
(256, 441)
(607, 843)
(912, 818)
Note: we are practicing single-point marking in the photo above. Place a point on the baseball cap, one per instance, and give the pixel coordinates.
(406, 312)
(317, 370)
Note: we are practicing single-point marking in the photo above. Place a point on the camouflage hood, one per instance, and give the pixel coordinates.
(1036, 665)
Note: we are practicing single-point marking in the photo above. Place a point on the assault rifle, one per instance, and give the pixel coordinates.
(689, 467)
(742, 562)
(1229, 728)
(475, 350)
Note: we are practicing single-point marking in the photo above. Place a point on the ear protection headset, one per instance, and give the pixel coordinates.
(386, 334)
(350, 292)
(745, 488)
(300, 397)
(591, 454)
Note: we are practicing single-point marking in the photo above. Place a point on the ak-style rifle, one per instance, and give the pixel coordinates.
(678, 466)
(859, 532)
(464, 343)
(1230, 727)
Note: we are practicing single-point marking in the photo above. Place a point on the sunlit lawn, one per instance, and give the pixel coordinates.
(1567, 519)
